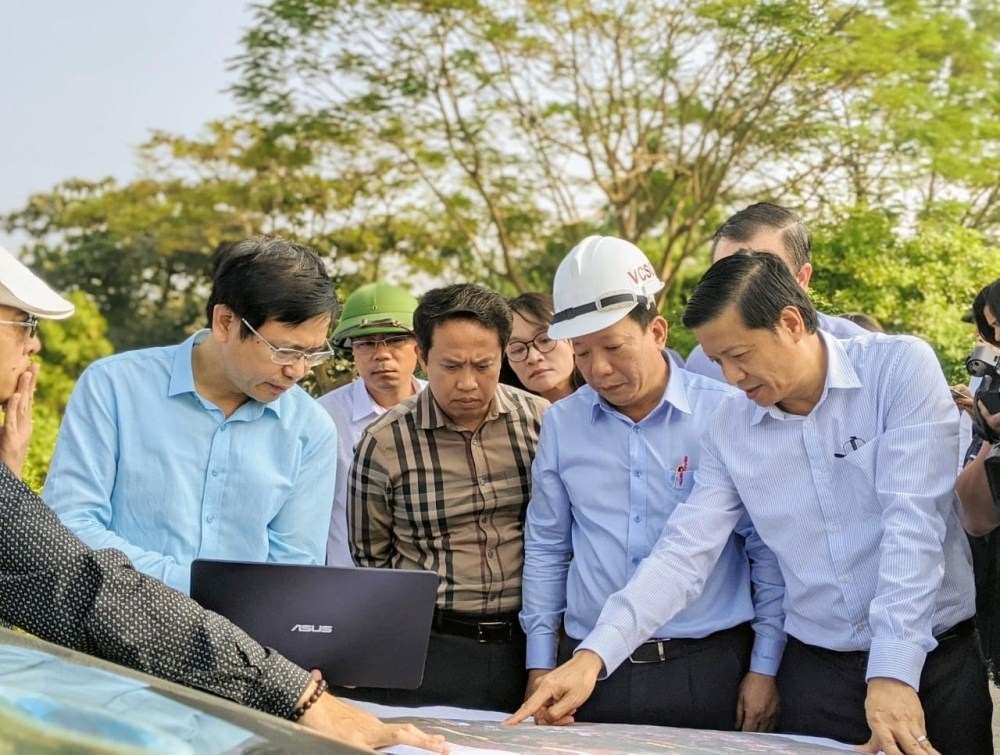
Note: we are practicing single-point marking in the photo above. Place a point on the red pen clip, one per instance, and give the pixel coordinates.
(681, 469)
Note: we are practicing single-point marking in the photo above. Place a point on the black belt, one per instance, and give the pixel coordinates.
(961, 629)
(485, 629)
(657, 651)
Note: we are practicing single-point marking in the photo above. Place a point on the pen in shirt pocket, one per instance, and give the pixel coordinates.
(851, 444)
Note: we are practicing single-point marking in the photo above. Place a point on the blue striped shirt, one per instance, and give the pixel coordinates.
(856, 500)
(603, 487)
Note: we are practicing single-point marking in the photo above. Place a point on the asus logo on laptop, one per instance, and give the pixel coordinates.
(321, 628)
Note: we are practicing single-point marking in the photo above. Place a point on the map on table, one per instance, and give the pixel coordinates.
(475, 737)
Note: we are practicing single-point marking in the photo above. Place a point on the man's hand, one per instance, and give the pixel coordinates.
(535, 677)
(15, 435)
(347, 723)
(896, 719)
(561, 691)
(758, 707)
(963, 397)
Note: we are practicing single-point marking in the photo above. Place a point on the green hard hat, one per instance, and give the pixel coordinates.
(373, 309)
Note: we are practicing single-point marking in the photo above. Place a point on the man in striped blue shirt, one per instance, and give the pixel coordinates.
(842, 453)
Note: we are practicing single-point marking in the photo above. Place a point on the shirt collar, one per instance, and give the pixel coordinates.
(674, 395)
(182, 380)
(364, 406)
(840, 373)
(430, 416)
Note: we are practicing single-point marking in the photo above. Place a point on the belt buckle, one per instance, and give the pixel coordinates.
(483, 625)
(660, 651)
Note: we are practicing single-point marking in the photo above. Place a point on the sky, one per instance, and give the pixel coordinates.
(83, 83)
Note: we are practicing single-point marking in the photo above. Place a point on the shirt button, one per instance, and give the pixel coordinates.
(223, 428)
(637, 519)
(490, 554)
(482, 480)
(636, 429)
(210, 519)
(834, 528)
(845, 578)
(475, 441)
(492, 598)
(635, 561)
(482, 520)
(638, 473)
(215, 473)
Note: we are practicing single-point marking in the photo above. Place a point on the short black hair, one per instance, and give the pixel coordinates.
(749, 221)
(988, 295)
(262, 278)
(759, 284)
(462, 301)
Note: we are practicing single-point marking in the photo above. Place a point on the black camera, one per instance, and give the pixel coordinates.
(984, 363)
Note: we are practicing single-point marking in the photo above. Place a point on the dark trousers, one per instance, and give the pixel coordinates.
(463, 672)
(696, 686)
(823, 694)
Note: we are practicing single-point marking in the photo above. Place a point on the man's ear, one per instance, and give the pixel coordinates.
(791, 321)
(804, 275)
(223, 320)
(660, 328)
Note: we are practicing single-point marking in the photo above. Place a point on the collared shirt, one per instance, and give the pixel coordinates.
(55, 587)
(146, 465)
(352, 409)
(838, 327)
(425, 493)
(603, 487)
(856, 500)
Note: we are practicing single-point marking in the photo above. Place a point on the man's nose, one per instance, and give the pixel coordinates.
(297, 370)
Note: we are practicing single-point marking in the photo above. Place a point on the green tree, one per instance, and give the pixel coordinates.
(142, 251)
(68, 346)
(527, 125)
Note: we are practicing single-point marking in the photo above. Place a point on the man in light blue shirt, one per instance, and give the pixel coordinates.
(209, 449)
(613, 461)
(842, 453)
(766, 227)
(377, 326)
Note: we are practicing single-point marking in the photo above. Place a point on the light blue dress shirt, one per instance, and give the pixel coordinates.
(146, 465)
(838, 327)
(856, 500)
(603, 487)
(352, 409)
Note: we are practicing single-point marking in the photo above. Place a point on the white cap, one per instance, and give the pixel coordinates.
(22, 289)
(598, 283)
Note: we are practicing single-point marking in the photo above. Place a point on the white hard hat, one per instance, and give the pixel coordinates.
(598, 283)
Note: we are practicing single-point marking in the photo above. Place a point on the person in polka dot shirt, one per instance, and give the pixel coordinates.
(57, 588)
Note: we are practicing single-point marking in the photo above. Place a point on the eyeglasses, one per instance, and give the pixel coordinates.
(368, 346)
(31, 323)
(288, 357)
(517, 351)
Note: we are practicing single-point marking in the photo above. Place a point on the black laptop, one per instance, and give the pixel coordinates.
(362, 627)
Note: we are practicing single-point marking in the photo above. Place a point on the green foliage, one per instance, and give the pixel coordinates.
(68, 346)
(918, 282)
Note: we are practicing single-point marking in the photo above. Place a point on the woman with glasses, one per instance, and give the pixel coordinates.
(533, 361)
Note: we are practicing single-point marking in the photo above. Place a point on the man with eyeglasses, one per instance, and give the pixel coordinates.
(94, 602)
(376, 326)
(209, 449)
